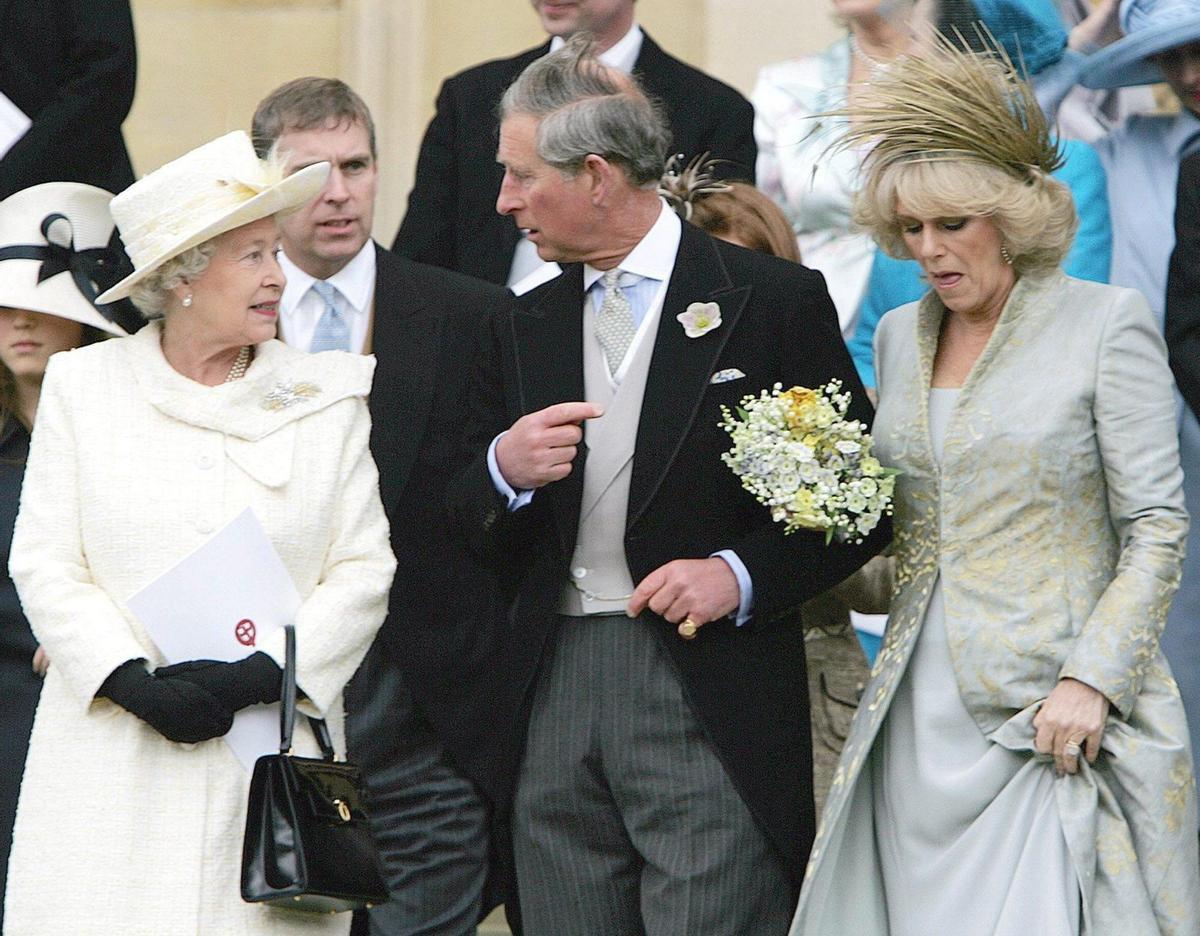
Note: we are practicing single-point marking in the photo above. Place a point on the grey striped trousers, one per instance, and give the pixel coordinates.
(625, 821)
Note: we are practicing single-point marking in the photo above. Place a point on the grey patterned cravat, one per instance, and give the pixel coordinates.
(614, 321)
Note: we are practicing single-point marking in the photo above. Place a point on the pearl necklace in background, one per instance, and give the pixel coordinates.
(240, 363)
(874, 66)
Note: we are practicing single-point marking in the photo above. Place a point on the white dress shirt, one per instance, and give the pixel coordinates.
(300, 308)
(622, 55)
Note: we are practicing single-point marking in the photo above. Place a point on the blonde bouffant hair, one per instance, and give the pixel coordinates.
(954, 133)
(1036, 217)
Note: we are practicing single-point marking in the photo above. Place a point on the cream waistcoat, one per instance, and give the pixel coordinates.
(600, 581)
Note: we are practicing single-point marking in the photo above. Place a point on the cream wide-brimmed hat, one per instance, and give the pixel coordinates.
(56, 252)
(1150, 27)
(213, 189)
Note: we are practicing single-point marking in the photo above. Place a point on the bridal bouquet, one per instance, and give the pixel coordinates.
(796, 452)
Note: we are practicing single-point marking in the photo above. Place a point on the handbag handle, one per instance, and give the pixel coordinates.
(287, 698)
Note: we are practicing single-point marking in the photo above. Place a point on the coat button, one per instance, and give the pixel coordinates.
(579, 572)
(204, 526)
(205, 461)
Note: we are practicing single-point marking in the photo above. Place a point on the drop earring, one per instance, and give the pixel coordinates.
(1005, 255)
(187, 300)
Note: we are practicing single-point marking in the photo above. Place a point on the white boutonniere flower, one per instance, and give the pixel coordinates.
(700, 318)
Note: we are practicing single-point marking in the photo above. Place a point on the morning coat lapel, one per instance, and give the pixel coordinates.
(548, 366)
(406, 340)
(653, 66)
(681, 367)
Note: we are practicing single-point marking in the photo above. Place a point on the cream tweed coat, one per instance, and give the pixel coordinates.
(133, 466)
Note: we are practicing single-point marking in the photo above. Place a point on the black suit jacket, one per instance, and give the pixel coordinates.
(1182, 324)
(748, 684)
(426, 325)
(70, 65)
(452, 220)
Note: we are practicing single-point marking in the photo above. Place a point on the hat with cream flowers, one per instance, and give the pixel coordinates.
(57, 251)
(215, 188)
(1150, 27)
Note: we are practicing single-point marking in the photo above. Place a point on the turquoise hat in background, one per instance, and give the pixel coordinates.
(1031, 31)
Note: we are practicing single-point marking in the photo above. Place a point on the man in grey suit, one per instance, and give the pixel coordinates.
(656, 705)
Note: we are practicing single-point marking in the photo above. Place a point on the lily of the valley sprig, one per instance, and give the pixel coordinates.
(699, 319)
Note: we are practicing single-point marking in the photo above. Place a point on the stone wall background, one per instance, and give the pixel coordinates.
(204, 64)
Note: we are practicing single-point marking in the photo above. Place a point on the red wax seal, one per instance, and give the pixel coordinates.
(244, 632)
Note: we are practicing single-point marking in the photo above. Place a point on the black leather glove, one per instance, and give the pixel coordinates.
(251, 681)
(176, 709)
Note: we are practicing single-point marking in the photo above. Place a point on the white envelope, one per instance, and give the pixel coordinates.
(221, 603)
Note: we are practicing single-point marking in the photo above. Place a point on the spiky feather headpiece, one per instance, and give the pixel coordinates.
(949, 103)
(683, 187)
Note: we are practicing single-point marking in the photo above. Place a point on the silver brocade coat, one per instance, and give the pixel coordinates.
(1057, 524)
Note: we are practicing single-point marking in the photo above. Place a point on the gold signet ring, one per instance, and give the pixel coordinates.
(688, 628)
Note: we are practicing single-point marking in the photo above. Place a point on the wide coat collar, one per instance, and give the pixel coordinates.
(281, 386)
(548, 339)
(1031, 292)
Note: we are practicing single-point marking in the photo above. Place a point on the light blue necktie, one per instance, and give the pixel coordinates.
(333, 331)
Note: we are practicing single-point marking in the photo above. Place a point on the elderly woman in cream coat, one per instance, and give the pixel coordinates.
(132, 808)
(1019, 762)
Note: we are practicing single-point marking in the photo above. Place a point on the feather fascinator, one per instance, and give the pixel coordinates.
(950, 103)
(682, 185)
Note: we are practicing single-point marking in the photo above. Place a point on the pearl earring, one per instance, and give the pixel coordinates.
(187, 300)
(1005, 255)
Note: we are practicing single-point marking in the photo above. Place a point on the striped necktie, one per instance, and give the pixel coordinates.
(333, 330)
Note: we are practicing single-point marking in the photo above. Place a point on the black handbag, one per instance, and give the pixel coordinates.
(308, 843)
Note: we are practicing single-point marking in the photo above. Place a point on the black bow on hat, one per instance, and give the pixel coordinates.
(94, 269)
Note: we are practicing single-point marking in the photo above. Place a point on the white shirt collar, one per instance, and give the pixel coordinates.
(622, 56)
(654, 255)
(355, 281)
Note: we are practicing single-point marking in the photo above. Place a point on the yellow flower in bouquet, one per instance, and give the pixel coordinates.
(796, 452)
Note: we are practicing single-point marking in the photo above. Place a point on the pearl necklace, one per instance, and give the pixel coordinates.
(240, 363)
(874, 66)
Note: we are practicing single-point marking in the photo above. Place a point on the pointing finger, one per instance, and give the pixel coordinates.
(561, 414)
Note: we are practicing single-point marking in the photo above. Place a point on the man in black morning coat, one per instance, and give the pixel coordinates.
(406, 723)
(662, 784)
(70, 66)
(451, 219)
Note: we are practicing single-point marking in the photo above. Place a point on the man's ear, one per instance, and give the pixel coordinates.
(600, 176)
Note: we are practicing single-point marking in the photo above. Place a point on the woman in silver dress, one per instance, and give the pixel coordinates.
(1020, 761)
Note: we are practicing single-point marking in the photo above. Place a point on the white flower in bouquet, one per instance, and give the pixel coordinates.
(796, 452)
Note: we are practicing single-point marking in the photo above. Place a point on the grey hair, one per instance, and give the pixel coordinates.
(584, 109)
(151, 294)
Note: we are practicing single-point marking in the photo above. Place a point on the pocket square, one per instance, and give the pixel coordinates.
(726, 375)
